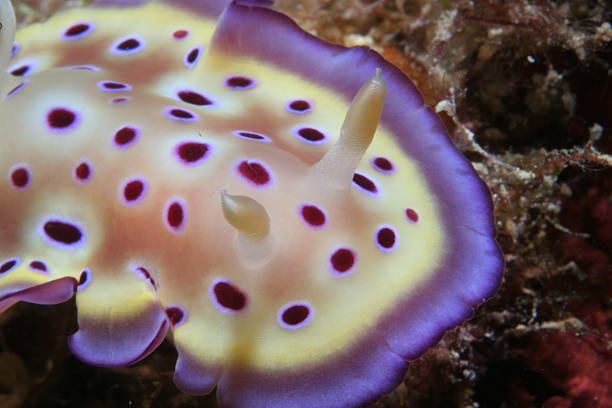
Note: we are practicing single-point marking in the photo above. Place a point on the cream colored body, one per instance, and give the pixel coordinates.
(184, 264)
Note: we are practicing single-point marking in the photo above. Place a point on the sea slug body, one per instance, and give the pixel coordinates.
(286, 207)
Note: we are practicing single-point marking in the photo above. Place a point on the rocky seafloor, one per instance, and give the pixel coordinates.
(525, 88)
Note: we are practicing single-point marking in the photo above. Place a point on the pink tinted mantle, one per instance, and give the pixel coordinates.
(470, 273)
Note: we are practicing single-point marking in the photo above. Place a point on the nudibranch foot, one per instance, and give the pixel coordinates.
(355, 233)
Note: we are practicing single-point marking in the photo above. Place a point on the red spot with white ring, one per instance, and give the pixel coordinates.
(193, 98)
(246, 134)
(365, 184)
(83, 171)
(15, 89)
(192, 152)
(128, 45)
(180, 114)
(254, 172)
(295, 315)
(310, 135)
(77, 30)
(84, 280)
(113, 86)
(175, 213)
(239, 82)
(192, 56)
(133, 190)
(313, 216)
(61, 119)
(383, 164)
(176, 315)
(8, 264)
(386, 238)
(62, 232)
(227, 297)
(126, 136)
(39, 266)
(20, 176)
(342, 261)
(299, 106)
(180, 34)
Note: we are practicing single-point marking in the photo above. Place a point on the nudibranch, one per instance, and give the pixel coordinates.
(287, 209)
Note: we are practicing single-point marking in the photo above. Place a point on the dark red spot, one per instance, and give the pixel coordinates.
(17, 88)
(63, 232)
(239, 82)
(128, 45)
(364, 182)
(386, 237)
(82, 171)
(181, 113)
(114, 85)
(295, 315)
(229, 296)
(342, 260)
(84, 277)
(313, 215)
(194, 98)
(60, 118)
(133, 190)
(7, 266)
(299, 105)
(383, 164)
(191, 152)
(179, 34)
(120, 99)
(412, 215)
(20, 177)
(146, 275)
(175, 215)
(39, 266)
(251, 135)
(254, 172)
(310, 134)
(21, 71)
(76, 30)
(175, 315)
(193, 56)
(125, 135)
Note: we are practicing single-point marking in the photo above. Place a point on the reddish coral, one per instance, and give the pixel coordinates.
(589, 211)
(578, 367)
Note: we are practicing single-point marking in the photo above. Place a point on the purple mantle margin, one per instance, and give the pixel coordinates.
(207, 8)
(119, 343)
(48, 293)
(470, 273)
